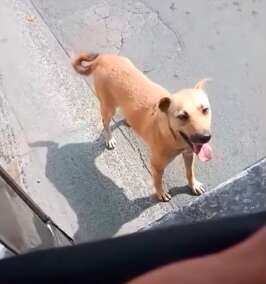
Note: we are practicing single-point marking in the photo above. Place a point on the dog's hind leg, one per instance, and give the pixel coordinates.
(107, 114)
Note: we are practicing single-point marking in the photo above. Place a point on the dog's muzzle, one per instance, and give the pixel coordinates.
(199, 145)
(196, 138)
(200, 138)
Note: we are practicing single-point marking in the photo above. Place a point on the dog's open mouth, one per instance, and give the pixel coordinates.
(203, 151)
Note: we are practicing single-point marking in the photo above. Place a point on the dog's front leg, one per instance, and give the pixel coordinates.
(196, 187)
(157, 168)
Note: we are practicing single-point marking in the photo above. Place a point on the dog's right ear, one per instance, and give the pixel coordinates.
(202, 83)
(164, 104)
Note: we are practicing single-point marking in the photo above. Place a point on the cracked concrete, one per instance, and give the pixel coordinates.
(179, 41)
(89, 192)
(92, 193)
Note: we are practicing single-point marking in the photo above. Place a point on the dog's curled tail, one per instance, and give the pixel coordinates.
(84, 57)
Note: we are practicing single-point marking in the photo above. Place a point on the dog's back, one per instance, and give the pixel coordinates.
(118, 83)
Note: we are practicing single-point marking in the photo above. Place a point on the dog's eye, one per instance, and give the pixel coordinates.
(205, 110)
(183, 116)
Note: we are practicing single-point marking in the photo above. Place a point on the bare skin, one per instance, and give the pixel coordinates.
(241, 264)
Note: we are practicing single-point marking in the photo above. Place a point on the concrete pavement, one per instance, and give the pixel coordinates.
(240, 195)
(50, 126)
(176, 44)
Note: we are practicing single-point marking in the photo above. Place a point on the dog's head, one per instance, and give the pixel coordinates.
(189, 116)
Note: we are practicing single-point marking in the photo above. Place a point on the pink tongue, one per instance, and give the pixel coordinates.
(204, 152)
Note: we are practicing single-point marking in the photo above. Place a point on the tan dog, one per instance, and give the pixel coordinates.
(170, 125)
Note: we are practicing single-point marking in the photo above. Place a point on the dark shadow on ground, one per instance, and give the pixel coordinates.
(100, 205)
(180, 190)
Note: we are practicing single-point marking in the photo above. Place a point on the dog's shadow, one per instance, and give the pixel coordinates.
(100, 205)
(177, 190)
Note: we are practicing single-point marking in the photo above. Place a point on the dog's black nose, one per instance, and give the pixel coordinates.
(201, 138)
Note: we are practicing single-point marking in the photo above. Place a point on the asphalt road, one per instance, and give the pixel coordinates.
(50, 129)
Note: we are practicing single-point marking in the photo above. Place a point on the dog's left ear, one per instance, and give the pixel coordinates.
(202, 83)
(164, 104)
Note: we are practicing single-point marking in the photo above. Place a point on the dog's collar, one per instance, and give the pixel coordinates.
(171, 129)
(184, 136)
(174, 134)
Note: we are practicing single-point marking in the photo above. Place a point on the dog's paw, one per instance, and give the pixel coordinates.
(197, 188)
(110, 144)
(164, 196)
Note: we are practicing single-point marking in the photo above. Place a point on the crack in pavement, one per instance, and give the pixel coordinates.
(105, 18)
(122, 41)
(166, 25)
(135, 148)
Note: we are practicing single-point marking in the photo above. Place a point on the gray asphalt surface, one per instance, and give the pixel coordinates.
(50, 128)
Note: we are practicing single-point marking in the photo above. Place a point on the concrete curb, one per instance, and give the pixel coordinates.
(244, 193)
